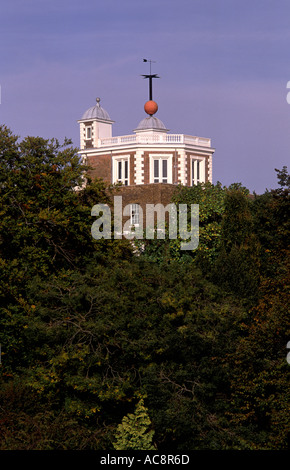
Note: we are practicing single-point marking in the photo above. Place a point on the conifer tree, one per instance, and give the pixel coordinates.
(133, 433)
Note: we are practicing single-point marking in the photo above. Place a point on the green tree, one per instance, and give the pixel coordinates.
(210, 199)
(86, 327)
(261, 375)
(271, 224)
(45, 223)
(134, 432)
(45, 226)
(260, 379)
(100, 338)
(283, 178)
(237, 267)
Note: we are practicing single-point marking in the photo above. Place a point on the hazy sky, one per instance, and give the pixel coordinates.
(224, 67)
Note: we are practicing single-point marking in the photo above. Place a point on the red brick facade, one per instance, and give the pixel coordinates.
(159, 193)
(100, 167)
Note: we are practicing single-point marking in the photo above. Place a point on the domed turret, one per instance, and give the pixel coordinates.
(96, 112)
(95, 124)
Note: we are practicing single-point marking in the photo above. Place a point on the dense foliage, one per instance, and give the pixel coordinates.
(103, 348)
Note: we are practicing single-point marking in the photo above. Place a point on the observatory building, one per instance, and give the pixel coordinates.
(149, 162)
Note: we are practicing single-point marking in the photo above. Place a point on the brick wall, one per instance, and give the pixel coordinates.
(101, 167)
(132, 168)
(145, 194)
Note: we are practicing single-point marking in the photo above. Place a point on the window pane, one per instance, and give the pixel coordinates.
(197, 170)
(135, 214)
(164, 168)
(156, 169)
(119, 170)
(192, 172)
(126, 169)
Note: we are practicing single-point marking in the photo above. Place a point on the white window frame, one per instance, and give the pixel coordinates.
(135, 214)
(120, 163)
(160, 158)
(89, 133)
(197, 170)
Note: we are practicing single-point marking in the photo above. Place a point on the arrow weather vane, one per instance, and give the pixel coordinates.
(150, 76)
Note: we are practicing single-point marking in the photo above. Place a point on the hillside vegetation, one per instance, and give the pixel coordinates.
(103, 348)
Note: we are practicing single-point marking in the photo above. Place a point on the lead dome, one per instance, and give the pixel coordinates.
(151, 122)
(96, 112)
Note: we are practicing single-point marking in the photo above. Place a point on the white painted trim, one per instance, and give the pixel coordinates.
(182, 169)
(88, 128)
(201, 179)
(82, 135)
(160, 157)
(210, 168)
(139, 167)
(131, 215)
(115, 160)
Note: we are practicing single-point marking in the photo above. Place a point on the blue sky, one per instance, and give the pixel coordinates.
(224, 66)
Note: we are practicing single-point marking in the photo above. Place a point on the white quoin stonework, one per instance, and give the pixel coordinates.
(139, 167)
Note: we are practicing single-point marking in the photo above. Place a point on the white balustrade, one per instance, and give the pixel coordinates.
(155, 139)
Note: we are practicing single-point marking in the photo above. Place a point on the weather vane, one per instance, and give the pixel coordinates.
(150, 76)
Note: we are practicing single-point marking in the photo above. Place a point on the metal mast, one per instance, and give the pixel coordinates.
(150, 77)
